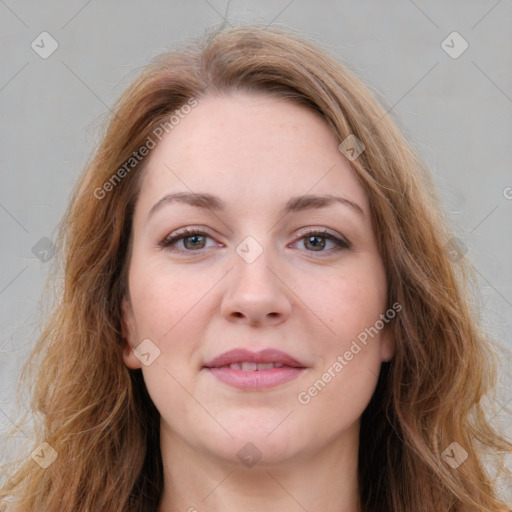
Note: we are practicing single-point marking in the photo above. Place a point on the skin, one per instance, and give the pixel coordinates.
(255, 152)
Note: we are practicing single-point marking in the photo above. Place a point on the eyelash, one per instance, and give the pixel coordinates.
(166, 243)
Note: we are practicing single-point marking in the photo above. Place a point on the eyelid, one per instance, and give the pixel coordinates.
(322, 231)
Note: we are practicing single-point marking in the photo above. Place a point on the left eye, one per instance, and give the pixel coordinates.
(317, 241)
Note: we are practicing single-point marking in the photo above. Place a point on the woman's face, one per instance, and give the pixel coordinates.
(269, 262)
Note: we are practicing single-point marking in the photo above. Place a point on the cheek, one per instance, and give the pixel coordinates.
(172, 309)
(168, 311)
(163, 299)
(349, 302)
(351, 305)
(344, 381)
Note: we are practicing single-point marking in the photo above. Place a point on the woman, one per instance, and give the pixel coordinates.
(259, 308)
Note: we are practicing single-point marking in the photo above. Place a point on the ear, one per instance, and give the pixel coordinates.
(387, 345)
(129, 335)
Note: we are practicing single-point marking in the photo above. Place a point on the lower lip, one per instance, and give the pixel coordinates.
(256, 379)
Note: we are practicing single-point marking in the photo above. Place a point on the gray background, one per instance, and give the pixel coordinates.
(457, 111)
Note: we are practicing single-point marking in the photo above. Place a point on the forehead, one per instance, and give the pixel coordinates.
(250, 149)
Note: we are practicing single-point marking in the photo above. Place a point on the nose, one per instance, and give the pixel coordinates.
(256, 294)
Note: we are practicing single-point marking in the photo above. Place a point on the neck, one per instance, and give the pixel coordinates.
(325, 480)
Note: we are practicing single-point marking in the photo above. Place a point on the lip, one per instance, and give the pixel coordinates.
(255, 379)
(239, 355)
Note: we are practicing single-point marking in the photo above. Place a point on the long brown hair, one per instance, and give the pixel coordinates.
(428, 406)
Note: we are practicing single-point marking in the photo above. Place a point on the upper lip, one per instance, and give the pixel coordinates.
(241, 355)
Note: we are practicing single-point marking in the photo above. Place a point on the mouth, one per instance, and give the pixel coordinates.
(248, 366)
(246, 370)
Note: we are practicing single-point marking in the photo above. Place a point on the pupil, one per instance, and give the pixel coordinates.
(196, 241)
(320, 245)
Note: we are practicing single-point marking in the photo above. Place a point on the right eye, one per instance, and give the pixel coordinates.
(192, 241)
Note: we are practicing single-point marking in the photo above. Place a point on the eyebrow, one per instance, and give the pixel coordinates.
(215, 203)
